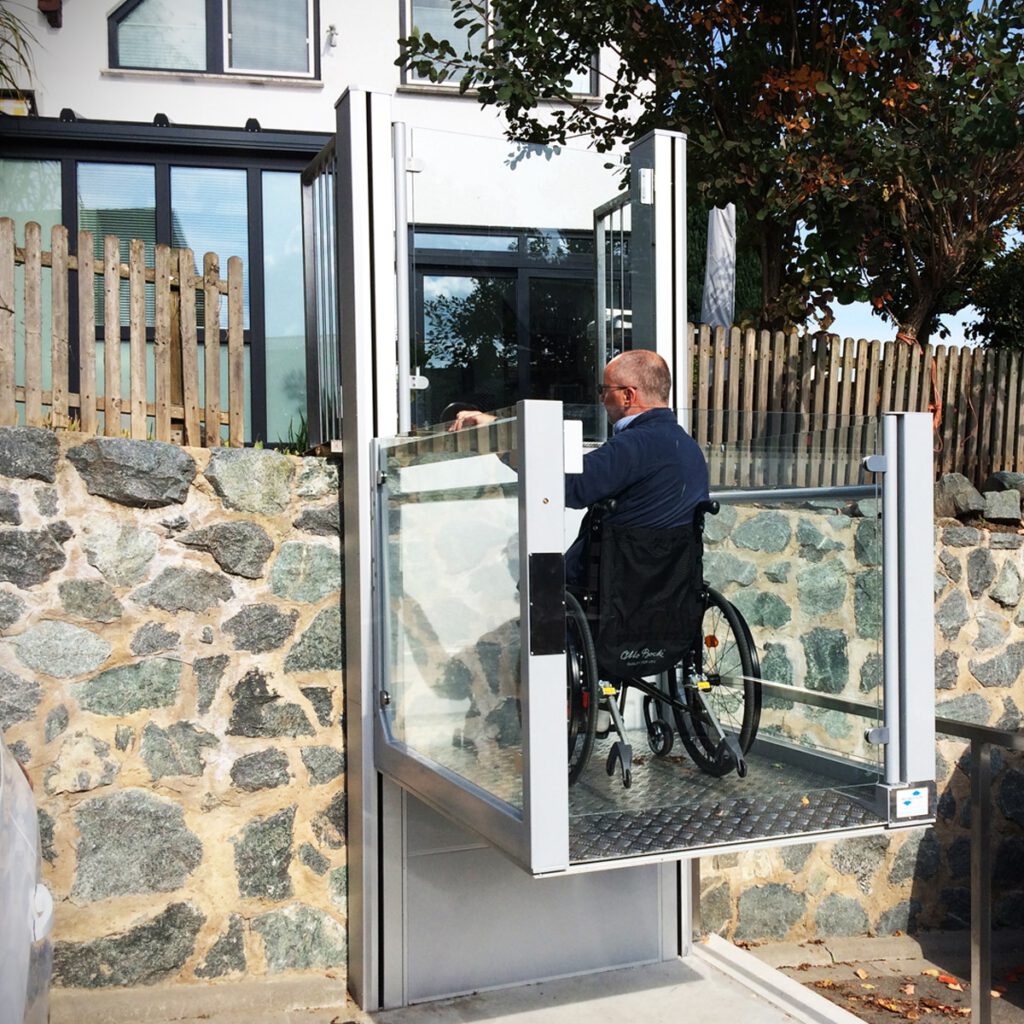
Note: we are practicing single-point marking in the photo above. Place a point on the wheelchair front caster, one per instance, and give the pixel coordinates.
(623, 754)
(660, 736)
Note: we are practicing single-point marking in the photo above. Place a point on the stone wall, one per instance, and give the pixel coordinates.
(907, 880)
(170, 655)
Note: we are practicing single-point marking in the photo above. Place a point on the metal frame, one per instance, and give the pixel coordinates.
(982, 739)
(365, 258)
(907, 605)
(319, 244)
(659, 243)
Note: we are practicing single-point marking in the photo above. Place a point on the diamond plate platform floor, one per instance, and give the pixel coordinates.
(673, 806)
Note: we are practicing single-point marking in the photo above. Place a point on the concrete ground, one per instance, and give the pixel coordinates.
(718, 983)
(882, 979)
(840, 981)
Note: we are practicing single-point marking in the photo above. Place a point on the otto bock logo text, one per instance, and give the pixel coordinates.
(632, 655)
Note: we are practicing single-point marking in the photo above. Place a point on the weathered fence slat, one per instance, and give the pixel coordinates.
(847, 473)
(86, 334)
(162, 344)
(211, 348)
(137, 334)
(1015, 422)
(997, 452)
(950, 409)
(703, 404)
(718, 402)
(111, 336)
(59, 327)
(189, 346)
(985, 416)
(976, 426)
(8, 408)
(33, 327)
(236, 354)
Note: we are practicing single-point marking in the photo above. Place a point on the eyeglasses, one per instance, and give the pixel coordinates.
(602, 389)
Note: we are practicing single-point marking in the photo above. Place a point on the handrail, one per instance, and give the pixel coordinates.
(982, 739)
(847, 493)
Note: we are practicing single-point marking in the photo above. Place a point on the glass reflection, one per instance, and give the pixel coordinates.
(452, 573)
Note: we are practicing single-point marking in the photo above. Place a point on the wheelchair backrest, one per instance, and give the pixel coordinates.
(645, 603)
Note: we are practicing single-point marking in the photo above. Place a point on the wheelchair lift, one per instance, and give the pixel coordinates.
(462, 823)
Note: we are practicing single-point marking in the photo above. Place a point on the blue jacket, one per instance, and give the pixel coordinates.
(652, 468)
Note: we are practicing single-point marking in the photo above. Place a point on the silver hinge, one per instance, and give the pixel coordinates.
(385, 698)
(877, 737)
(875, 464)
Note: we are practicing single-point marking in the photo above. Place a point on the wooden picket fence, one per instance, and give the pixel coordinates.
(178, 412)
(775, 409)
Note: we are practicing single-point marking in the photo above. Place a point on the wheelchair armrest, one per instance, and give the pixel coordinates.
(708, 507)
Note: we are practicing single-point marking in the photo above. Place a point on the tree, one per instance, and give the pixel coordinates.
(794, 112)
(15, 57)
(999, 299)
(940, 161)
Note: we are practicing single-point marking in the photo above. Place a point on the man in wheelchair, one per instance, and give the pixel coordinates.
(636, 603)
(638, 612)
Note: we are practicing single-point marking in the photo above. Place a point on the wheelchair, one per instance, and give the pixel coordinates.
(712, 687)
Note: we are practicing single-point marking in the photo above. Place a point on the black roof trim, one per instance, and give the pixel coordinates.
(131, 134)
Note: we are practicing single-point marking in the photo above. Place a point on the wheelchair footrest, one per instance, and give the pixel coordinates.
(729, 756)
(622, 753)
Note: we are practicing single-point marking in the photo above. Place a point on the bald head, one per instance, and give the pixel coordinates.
(647, 372)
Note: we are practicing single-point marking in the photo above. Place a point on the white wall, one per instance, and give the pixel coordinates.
(71, 71)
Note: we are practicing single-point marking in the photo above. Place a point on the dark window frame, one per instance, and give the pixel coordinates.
(519, 267)
(216, 33)
(452, 85)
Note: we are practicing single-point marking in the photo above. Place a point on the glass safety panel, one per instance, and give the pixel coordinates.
(455, 709)
(791, 645)
(452, 558)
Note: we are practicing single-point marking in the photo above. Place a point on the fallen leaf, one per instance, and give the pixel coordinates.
(946, 979)
(955, 986)
(804, 801)
(825, 983)
(870, 988)
(931, 972)
(908, 989)
(861, 973)
(803, 967)
(996, 993)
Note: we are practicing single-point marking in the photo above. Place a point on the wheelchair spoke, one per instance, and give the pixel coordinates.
(721, 693)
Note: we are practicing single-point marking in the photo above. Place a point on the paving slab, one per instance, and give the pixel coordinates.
(716, 984)
(883, 978)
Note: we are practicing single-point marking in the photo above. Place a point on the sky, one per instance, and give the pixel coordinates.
(856, 320)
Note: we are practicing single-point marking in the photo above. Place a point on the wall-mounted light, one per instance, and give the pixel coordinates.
(332, 35)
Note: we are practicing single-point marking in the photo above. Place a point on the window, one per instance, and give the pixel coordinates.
(436, 18)
(181, 187)
(502, 314)
(255, 37)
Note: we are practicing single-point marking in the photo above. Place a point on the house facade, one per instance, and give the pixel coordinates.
(191, 123)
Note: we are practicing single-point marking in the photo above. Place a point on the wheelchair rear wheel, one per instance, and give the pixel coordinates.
(581, 687)
(719, 682)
